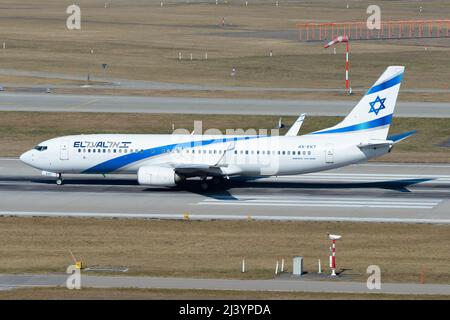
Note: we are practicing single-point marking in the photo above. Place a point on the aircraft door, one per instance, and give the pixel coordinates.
(329, 153)
(64, 151)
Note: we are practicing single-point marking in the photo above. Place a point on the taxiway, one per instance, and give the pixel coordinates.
(96, 103)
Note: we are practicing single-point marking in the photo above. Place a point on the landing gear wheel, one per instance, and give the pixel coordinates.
(217, 180)
(59, 181)
(204, 185)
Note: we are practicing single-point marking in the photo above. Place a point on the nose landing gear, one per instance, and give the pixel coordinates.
(59, 180)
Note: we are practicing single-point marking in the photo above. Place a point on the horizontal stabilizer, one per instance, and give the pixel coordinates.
(401, 136)
(376, 144)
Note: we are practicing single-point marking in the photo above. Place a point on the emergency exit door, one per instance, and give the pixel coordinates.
(329, 154)
(64, 154)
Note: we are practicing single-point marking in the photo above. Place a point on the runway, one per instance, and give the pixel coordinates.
(132, 104)
(291, 285)
(372, 192)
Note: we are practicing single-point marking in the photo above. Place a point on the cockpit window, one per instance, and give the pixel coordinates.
(40, 148)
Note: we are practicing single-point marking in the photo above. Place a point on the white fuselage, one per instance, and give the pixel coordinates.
(165, 160)
(230, 155)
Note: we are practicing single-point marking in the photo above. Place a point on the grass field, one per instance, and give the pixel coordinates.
(215, 249)
(141, 40)
(111, 294)
(20, 131)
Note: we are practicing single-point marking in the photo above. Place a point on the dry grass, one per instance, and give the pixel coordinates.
(139, 294)
(19, 131)
(141, 40)
(215, 249)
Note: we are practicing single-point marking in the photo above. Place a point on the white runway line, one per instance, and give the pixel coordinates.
(320, 205)
(341, 202)
(404, 165)
(218, 217)
(362, 177)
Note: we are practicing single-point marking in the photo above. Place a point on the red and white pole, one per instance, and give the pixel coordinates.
(333, 258)
(346, 66)
(339, 40)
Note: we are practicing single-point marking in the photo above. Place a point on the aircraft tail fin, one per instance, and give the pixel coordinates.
(372, 115)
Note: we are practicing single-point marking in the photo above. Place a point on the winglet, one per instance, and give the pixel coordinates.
(401, 136)
(293, 131)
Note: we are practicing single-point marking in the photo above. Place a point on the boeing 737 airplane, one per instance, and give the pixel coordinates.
(168, 159)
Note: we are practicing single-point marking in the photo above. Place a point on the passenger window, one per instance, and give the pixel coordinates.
(246, 151)
(235, 152)
(289, 153)
(79, 150)
(309, 153)
(284, 152)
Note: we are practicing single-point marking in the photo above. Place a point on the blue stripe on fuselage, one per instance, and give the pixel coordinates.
(127, 159)
(361, 126)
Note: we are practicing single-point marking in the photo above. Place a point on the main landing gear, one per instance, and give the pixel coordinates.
(59, 180)
(204, 185)
(216, 181)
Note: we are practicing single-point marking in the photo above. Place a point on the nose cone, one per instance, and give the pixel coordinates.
(26, 157)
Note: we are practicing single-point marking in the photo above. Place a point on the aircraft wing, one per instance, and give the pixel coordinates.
(293, 131)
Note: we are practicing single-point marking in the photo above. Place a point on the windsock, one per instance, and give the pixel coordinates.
(336, 40)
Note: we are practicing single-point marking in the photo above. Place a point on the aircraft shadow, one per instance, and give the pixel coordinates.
(222, 190)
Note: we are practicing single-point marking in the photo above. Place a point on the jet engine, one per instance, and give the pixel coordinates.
(158, 176)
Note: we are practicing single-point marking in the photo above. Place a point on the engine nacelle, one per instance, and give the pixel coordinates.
(157, 176)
